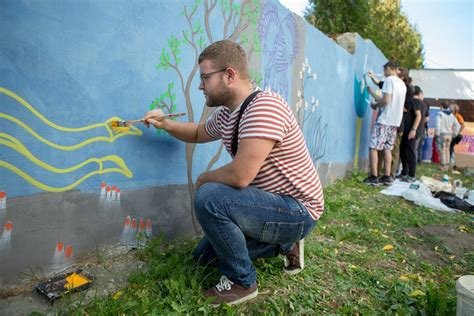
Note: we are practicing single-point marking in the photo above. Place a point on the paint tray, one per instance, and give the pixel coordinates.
(62, 284)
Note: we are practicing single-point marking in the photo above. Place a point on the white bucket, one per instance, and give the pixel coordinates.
(465, 289)
(460, 192)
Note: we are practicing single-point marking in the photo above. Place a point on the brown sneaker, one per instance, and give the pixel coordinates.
(294, 260)
(230, 293)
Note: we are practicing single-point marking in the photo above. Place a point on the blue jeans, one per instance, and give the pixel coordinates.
(241, 225)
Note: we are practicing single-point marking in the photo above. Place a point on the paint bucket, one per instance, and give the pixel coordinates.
(465, 290)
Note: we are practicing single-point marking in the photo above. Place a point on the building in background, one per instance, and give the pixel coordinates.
(452, 85)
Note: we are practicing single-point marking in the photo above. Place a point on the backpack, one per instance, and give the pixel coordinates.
(452, 201)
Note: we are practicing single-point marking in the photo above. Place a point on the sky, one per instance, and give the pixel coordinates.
(446, 27)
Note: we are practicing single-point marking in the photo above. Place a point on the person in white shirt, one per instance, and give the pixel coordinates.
(446, 126)
(385, 128)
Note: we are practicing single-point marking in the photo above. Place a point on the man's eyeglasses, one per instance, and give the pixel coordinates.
(204, 77)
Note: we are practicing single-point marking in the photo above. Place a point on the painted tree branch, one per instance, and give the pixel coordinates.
(228, 18)
(208, 8)
(175, 67)
(215, 157)
(239, 28)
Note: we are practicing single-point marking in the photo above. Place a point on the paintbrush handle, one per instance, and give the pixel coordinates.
(135, 121)
(171, 115)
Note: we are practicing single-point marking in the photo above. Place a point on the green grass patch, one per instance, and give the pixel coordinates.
(347, 271)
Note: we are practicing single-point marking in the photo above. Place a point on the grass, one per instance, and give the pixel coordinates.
(347, 271)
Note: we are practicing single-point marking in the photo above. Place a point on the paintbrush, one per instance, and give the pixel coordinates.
(118, 124)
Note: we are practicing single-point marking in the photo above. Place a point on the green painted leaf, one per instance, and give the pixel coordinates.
(196, 26)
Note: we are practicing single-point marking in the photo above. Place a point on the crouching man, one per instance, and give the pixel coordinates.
(269, 197)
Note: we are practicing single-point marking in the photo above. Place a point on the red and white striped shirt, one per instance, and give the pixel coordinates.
(288, 169)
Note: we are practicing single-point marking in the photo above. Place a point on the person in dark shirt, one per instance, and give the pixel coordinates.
(425, 118)
(396, 154)
(411, 132)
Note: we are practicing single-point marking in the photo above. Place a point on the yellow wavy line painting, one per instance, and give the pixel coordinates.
(13, 143)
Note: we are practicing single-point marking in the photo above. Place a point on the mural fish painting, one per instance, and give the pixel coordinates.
(106, 164)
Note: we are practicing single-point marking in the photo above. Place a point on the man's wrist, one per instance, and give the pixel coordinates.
(165, 124)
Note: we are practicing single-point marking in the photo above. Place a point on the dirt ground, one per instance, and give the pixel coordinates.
(441, 242)
(111, 270)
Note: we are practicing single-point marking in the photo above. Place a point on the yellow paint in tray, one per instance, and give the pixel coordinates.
(75, 280)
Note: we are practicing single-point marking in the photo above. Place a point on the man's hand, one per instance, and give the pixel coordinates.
(151, 119)
(412, 134)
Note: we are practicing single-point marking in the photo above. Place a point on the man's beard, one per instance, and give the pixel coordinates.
(220, 96)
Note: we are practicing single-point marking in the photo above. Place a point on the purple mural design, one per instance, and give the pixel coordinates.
(275, 35)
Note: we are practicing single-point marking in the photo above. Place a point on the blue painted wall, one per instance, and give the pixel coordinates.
(80, 63)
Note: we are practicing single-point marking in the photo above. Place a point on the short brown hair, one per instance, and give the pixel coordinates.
(391, 64)
(403, 74)
(226, 53)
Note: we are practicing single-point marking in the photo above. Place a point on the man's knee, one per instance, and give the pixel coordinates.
(206, 197)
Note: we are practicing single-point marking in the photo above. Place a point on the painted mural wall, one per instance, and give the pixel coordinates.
(70, 184)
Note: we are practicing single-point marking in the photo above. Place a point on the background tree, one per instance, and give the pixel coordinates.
(380, 21)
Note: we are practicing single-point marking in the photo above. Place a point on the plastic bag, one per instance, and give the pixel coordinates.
(422, 196)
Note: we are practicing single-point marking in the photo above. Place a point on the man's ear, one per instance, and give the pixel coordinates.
(231, 73)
